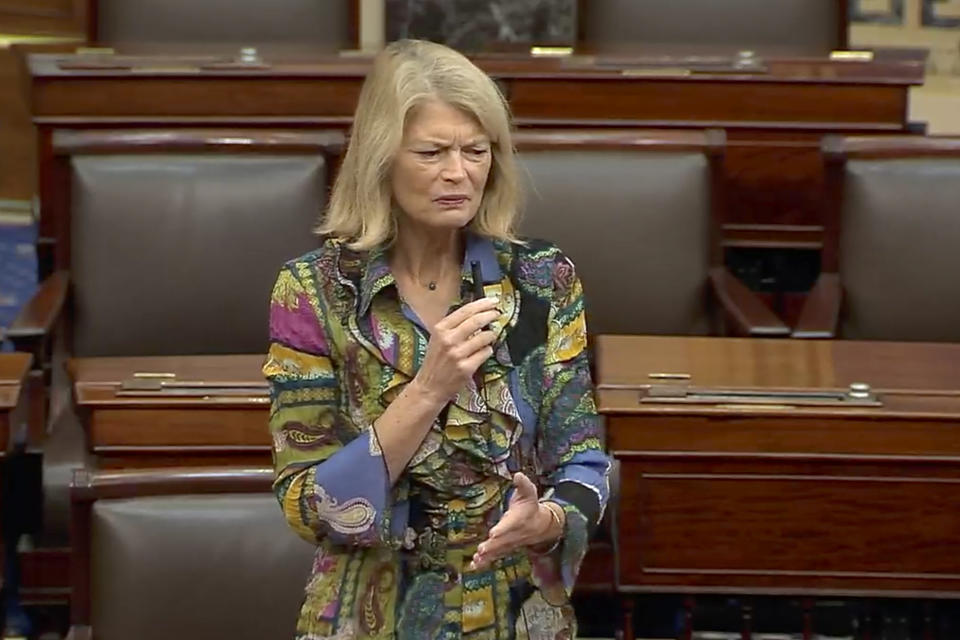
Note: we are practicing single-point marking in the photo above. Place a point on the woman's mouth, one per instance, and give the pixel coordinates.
(451, 201)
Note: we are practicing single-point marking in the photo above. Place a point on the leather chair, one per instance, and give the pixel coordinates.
(168, 244)
(635, 211)
(183, 553)
(792, 27)
(170, 240)
(315, 24)
(892, 228)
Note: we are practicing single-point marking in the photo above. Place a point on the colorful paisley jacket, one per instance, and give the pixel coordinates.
(393, 561)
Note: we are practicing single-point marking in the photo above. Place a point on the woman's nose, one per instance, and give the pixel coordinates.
(453, 167)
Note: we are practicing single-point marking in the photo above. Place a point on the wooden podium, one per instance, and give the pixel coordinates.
(763, 465)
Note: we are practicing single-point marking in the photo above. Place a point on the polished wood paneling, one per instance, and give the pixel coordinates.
(774, 116)
(14, 371)
(179, 437)
(807, 526)
(96, 380)
(18, 156)
(144, 458)
(628, 361)
(817, 96)
(147, 429)
(227, 99)
(715, 103)
(778, 497)
(807, 432)
(54, 17)
(774, 171)
(187, 427)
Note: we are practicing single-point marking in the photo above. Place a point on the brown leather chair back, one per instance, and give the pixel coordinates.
(797, 26)
(899, 248)
(633, 212)
(171, 556)
(174, 250)
(324, 24)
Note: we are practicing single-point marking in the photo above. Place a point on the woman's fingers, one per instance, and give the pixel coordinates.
(496, 548)
(470, 365)
(458, 346)
(525, 489)
(517, 528)
(475, 343)
(473, 324)
(456, 318)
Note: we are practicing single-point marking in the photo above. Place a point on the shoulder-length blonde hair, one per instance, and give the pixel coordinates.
(404, 75)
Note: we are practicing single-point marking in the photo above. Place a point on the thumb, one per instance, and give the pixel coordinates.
(526, 490)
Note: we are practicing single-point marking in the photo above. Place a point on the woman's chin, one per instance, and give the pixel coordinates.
(452, 219)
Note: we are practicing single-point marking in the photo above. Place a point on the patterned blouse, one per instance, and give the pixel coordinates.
(393, 561)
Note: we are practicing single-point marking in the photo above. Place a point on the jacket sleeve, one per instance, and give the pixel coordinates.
(331, 478)
(569, 438)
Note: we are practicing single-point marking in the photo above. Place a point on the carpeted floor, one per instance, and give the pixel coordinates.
(18, 266)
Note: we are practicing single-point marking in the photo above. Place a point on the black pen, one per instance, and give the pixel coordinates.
(477, 279)
(478, 293)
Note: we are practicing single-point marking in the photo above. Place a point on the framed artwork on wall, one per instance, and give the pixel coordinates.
(941, 13)
(484, 25)
(877, 11)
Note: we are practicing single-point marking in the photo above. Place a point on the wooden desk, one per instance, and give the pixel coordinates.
(43, 571)
(149, 429)
(225, 424)
(14, 371)
(774, 115)
(651, 91)
(726, 496)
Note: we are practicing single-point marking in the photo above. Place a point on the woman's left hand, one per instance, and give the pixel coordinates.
(527, 522)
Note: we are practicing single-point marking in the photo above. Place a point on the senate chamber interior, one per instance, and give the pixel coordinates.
(761, 197)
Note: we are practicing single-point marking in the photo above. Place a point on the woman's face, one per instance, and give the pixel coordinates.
(441, 169)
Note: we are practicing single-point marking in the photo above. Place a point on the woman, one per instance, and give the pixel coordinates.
(436, 437)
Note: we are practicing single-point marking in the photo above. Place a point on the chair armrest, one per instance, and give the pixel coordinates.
(821, 312)
(741, 306)
(42, 311)
(80, 632)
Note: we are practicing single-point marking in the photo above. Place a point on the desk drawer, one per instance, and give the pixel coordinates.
(832, 525)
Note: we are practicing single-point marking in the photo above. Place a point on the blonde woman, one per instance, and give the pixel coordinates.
(433, 420)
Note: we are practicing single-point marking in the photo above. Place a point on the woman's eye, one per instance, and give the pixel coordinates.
(432, 153)
(477, 152)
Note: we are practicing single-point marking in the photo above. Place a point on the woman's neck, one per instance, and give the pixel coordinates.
(427, 256)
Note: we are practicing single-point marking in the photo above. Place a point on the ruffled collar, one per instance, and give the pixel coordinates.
(486, 424)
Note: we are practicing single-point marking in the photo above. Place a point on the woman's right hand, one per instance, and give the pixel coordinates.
(458, 345)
